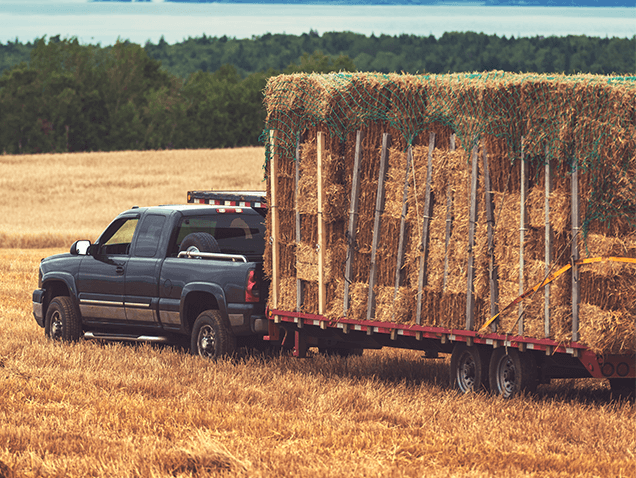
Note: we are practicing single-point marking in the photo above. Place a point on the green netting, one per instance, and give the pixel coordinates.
(589, 120)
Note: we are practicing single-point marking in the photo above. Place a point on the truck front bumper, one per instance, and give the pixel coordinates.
(38, 306)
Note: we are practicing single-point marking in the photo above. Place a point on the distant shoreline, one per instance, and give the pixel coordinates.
(485, 3)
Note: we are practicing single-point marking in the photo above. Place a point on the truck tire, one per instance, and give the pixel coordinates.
(211, 337)
(511, 372)
(469, 368)
(199, 242)
(62, 321)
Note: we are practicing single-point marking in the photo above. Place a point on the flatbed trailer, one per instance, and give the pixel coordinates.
(549, 358)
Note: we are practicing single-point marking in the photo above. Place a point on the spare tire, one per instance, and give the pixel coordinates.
(199, 242)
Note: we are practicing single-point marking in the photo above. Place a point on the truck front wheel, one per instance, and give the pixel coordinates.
(62, 321)
(211, 337)
(511, 372)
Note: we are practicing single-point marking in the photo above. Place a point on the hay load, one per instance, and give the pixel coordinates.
(437, 200)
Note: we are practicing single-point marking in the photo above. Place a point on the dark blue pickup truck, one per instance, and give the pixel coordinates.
(163, 274)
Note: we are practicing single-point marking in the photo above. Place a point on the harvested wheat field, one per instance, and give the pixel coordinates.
(53, 199)
(104, 410)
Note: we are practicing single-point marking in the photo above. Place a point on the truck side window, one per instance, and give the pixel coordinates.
(117, 238)
(149, 235)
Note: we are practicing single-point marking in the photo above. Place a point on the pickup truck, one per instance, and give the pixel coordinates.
(178, 274)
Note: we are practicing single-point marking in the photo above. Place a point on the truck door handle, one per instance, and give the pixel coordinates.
(120, 269)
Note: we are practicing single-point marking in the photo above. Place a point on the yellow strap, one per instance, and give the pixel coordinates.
(551, 277)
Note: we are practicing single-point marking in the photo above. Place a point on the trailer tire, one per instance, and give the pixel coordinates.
(63, 321)
(469, 368)
(211, 337)
(199, 242)
(511, 372)
(341, 352)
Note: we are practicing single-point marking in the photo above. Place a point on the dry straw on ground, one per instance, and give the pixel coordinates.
(91, 409)
(586, 117)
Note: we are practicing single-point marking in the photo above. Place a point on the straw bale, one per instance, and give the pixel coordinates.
(358, 298)
(607, 331)
(391, 308)
(287, 293)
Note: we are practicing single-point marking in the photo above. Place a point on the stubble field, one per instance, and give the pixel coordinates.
(91, 409)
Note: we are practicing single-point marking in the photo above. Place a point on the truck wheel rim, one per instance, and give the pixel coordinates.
(506, 376)
(56, 325)
(207, 341)
(466, 373)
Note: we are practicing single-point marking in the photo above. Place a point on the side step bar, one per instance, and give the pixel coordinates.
(127, 338)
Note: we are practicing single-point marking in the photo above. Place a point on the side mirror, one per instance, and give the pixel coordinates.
(80, 248)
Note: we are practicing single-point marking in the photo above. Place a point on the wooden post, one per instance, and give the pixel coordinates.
(449, 221)
(353, 219)
(322, 236)
(299, 282)
(522, 233)
(273, 210)
(575, 250)
(548, 241)
(492, 268)
(470, 286)
(379, 208)
(400, 252)
(425, 228)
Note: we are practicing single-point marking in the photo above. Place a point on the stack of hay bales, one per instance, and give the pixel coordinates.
(589, 119)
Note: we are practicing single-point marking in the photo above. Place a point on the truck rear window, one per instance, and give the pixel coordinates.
(236, 234)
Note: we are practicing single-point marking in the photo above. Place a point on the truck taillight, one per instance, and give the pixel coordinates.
(251, 291)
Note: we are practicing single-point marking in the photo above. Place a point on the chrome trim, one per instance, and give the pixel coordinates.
(213, 255)
(104, 312)
(236, 320)
(101, 302)
(137, 304)
(260, 325)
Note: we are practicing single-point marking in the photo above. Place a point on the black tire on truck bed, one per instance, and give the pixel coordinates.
(199, 242)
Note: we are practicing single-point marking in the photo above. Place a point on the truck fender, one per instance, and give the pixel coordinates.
(63, 279)
(212, 290)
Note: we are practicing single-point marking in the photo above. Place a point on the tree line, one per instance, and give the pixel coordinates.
(207, 92)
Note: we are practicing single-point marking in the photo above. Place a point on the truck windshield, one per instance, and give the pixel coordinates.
(236, 234)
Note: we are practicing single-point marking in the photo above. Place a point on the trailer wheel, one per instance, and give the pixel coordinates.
(511, 372)
(199, 242)
(211, 337)
(62, 321)
(469, 368)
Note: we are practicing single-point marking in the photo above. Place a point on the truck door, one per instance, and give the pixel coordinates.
(142, 274)
(101, 276)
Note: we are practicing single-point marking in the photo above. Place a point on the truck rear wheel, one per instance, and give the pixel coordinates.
(511, 372)
(469, 368)
(62, 321)
(211, 336)
(199, 242)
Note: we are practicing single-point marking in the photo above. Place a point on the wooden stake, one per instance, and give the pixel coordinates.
(522, 235)
(273, 210)
(492, 268)
(400, 252)
(379, 208)
(576, 293)
(322, 237)
(449, 225)
(353, 219)
(425, 228)
(548, 241)
(470, 287)
(299, 282)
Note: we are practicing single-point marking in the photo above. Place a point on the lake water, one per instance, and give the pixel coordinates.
(138, 22)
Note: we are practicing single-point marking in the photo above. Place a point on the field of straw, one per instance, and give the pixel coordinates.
(104, 410)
